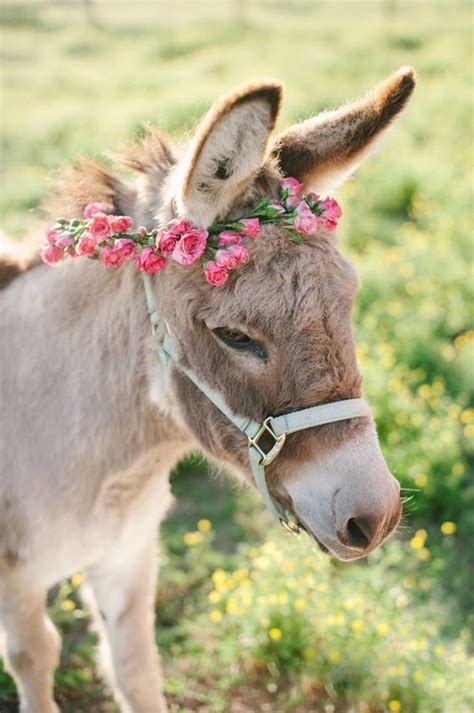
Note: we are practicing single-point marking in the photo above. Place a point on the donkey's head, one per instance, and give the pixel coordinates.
(277, 337)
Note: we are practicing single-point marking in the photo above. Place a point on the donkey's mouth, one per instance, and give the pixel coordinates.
(313, 537)
(301, 525)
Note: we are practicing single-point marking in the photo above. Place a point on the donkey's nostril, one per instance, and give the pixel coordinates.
(358, 532)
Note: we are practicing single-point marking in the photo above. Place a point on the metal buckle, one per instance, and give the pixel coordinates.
(269, 457)
(291, 526)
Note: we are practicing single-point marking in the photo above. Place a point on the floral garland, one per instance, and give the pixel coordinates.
(111, 239)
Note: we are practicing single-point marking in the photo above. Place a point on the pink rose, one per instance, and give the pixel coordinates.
(229, 237)
(179, 227)
(126, 247)
(92, 208)
(52, 255)
(225, 258)
(332, 212)
(215, 274)
(313, 197)
(110, 256)
(52, 235)
(276, 207)
(292, 202)
(251, 227)
(120, 223)
(190, 247)
(86, 245)
(291, 185)
(100, 226)
(240, 253)
(64, 240)
(306, 223)
(149, 261)
(166, 242)
(303, 207)
(142, 232)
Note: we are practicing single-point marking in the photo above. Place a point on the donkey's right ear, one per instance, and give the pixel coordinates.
(228, 150)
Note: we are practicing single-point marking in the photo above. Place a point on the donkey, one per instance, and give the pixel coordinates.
(92, 421)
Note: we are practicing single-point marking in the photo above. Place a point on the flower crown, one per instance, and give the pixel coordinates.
(221, 248)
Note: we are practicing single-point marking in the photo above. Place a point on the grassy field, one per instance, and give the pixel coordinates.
(246, 619)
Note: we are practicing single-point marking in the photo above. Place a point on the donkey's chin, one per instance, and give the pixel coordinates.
(332, 548)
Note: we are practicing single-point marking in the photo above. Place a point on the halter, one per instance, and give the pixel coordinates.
(277, 427)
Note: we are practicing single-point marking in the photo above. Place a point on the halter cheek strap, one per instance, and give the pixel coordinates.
(277, 427)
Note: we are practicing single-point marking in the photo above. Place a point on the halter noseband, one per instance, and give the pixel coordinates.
(277, 427)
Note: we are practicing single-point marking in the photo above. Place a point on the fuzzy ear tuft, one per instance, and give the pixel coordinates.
(323, 151)
(228, 150)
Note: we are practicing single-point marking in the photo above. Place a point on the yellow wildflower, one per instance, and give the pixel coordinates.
(417, 542)
(418, 676)
(76, 580)
(382, 628)
(231, 606)
(214, 597)
(448, 528)
(357, 625)
(216, 616)
(241, 573)
(463, 339)
(218, 575)
(192, 538)
(422, 534)
(68, 605)
(394, 705)
(421, 480)
(424, 554)
(275, 634)
(204, 525)
(309, 653)
(469, 431)
(424, 391)
(299, 604)
(334, 656)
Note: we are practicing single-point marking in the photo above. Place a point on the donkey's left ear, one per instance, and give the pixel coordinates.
(324, 151)
(227, 151)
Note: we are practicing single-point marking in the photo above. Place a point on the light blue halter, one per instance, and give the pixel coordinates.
(277, 427)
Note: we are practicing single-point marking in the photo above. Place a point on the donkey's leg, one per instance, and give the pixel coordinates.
(31, 643)
(122, 603)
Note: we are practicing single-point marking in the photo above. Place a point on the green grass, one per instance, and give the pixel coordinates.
(75, 84)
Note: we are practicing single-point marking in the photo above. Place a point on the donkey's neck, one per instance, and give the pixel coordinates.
(89, 330)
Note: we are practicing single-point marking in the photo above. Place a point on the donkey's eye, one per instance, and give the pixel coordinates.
(240, 341)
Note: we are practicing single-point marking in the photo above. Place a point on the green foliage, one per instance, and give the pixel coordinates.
(77, 82)
(356, 633)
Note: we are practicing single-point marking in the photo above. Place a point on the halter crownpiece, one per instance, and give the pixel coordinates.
(221, 247)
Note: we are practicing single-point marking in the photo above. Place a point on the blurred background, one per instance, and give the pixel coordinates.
(249, 619)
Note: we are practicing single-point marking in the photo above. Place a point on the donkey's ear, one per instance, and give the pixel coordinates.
(322, 152)
(227, 151)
